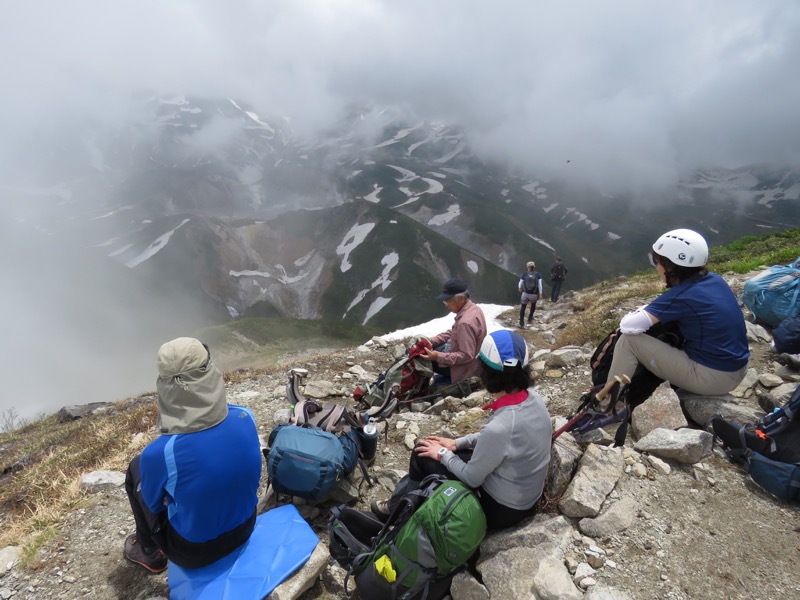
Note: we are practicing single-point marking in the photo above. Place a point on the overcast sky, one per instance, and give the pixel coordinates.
(630, 92)
(623, 89)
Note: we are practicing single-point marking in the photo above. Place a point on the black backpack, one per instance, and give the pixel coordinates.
(786, 336)
(530, 282)
(769, 449)
(557, 272)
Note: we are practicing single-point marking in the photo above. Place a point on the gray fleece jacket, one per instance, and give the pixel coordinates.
(511, 454)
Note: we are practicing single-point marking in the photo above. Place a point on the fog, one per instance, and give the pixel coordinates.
(624, 94)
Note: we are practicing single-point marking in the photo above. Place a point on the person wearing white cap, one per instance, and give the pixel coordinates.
(714, 356)
(507, 460)
(193, 490)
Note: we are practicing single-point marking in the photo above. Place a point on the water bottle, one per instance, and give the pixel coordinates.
(369, 441)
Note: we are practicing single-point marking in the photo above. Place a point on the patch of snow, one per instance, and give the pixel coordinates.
(375, 308)
(289, 279)
(455, 152)
(354, 173)
(153, 248)
(504, 192)
(120, 251)
(373, 196)
(351, 241)
(303, 259)
(406, 174)
(439, 175)
(232, 312)
(542, 242)
(452, 212)
(547, 209)
(472, 266)
(258, 120)
(437, 326)
(614, 236)
(233, 273)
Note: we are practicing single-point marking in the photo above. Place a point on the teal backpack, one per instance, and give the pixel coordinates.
(428, 538)
(772, 295)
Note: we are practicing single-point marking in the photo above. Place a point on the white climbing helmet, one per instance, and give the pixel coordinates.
(684, 247)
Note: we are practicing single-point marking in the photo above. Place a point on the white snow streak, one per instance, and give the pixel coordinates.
(153, 248)
(351, 241)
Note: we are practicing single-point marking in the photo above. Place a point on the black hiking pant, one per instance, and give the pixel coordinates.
(530, 314)
(498, 516)
(556, 289)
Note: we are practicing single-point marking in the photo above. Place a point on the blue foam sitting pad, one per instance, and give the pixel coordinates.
(281, 543)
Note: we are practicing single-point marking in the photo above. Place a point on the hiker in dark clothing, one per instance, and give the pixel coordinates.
(193, 490)
(507, 460)
(530, 285)
(558, 273)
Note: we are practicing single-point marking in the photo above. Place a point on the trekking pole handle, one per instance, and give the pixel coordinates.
(606, 389)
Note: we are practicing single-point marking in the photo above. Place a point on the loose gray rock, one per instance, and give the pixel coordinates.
(614, 519)
(74, 412)
(304, 578)
(465, 587)
(9, 556)
(98, 481)
(564, 457)
(662, 409)
(688, 446)
(599, 470)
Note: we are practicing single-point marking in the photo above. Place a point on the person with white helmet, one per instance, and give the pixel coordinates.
(507, 460)
(714, 356)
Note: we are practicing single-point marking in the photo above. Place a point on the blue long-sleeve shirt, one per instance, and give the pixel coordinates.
(206, 480)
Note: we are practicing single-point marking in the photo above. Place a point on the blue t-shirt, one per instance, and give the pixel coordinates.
(209, 478)
(710, 320)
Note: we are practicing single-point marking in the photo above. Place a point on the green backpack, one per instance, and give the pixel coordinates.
(427, 539)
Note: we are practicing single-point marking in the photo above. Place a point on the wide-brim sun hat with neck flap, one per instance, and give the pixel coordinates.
(191, 390)
(504, 348)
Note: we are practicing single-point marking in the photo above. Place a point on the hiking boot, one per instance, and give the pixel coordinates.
(155, 561)
(380, 508)
(521, 325)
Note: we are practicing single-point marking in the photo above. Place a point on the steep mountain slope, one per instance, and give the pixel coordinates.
(238, 208)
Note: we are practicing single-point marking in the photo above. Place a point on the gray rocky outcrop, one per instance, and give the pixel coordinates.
(662, 409)
(598, 472)
(685, 445)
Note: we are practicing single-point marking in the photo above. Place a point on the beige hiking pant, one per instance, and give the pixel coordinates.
(670, 364)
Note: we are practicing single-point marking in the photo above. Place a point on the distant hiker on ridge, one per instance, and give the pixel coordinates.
(558, 273)
(193, 489)
(530, 284)
(454, 353)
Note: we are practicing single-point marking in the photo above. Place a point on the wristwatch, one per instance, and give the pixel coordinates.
(440, 454)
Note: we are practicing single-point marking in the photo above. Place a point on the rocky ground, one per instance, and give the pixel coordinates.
(701, 531)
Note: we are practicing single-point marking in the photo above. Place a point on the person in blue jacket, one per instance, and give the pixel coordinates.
(714, 356)
(193, 490)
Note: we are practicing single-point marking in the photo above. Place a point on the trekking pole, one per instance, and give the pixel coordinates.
(584, 407)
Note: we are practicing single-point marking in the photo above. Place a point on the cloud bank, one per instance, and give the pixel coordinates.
(623, 90)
